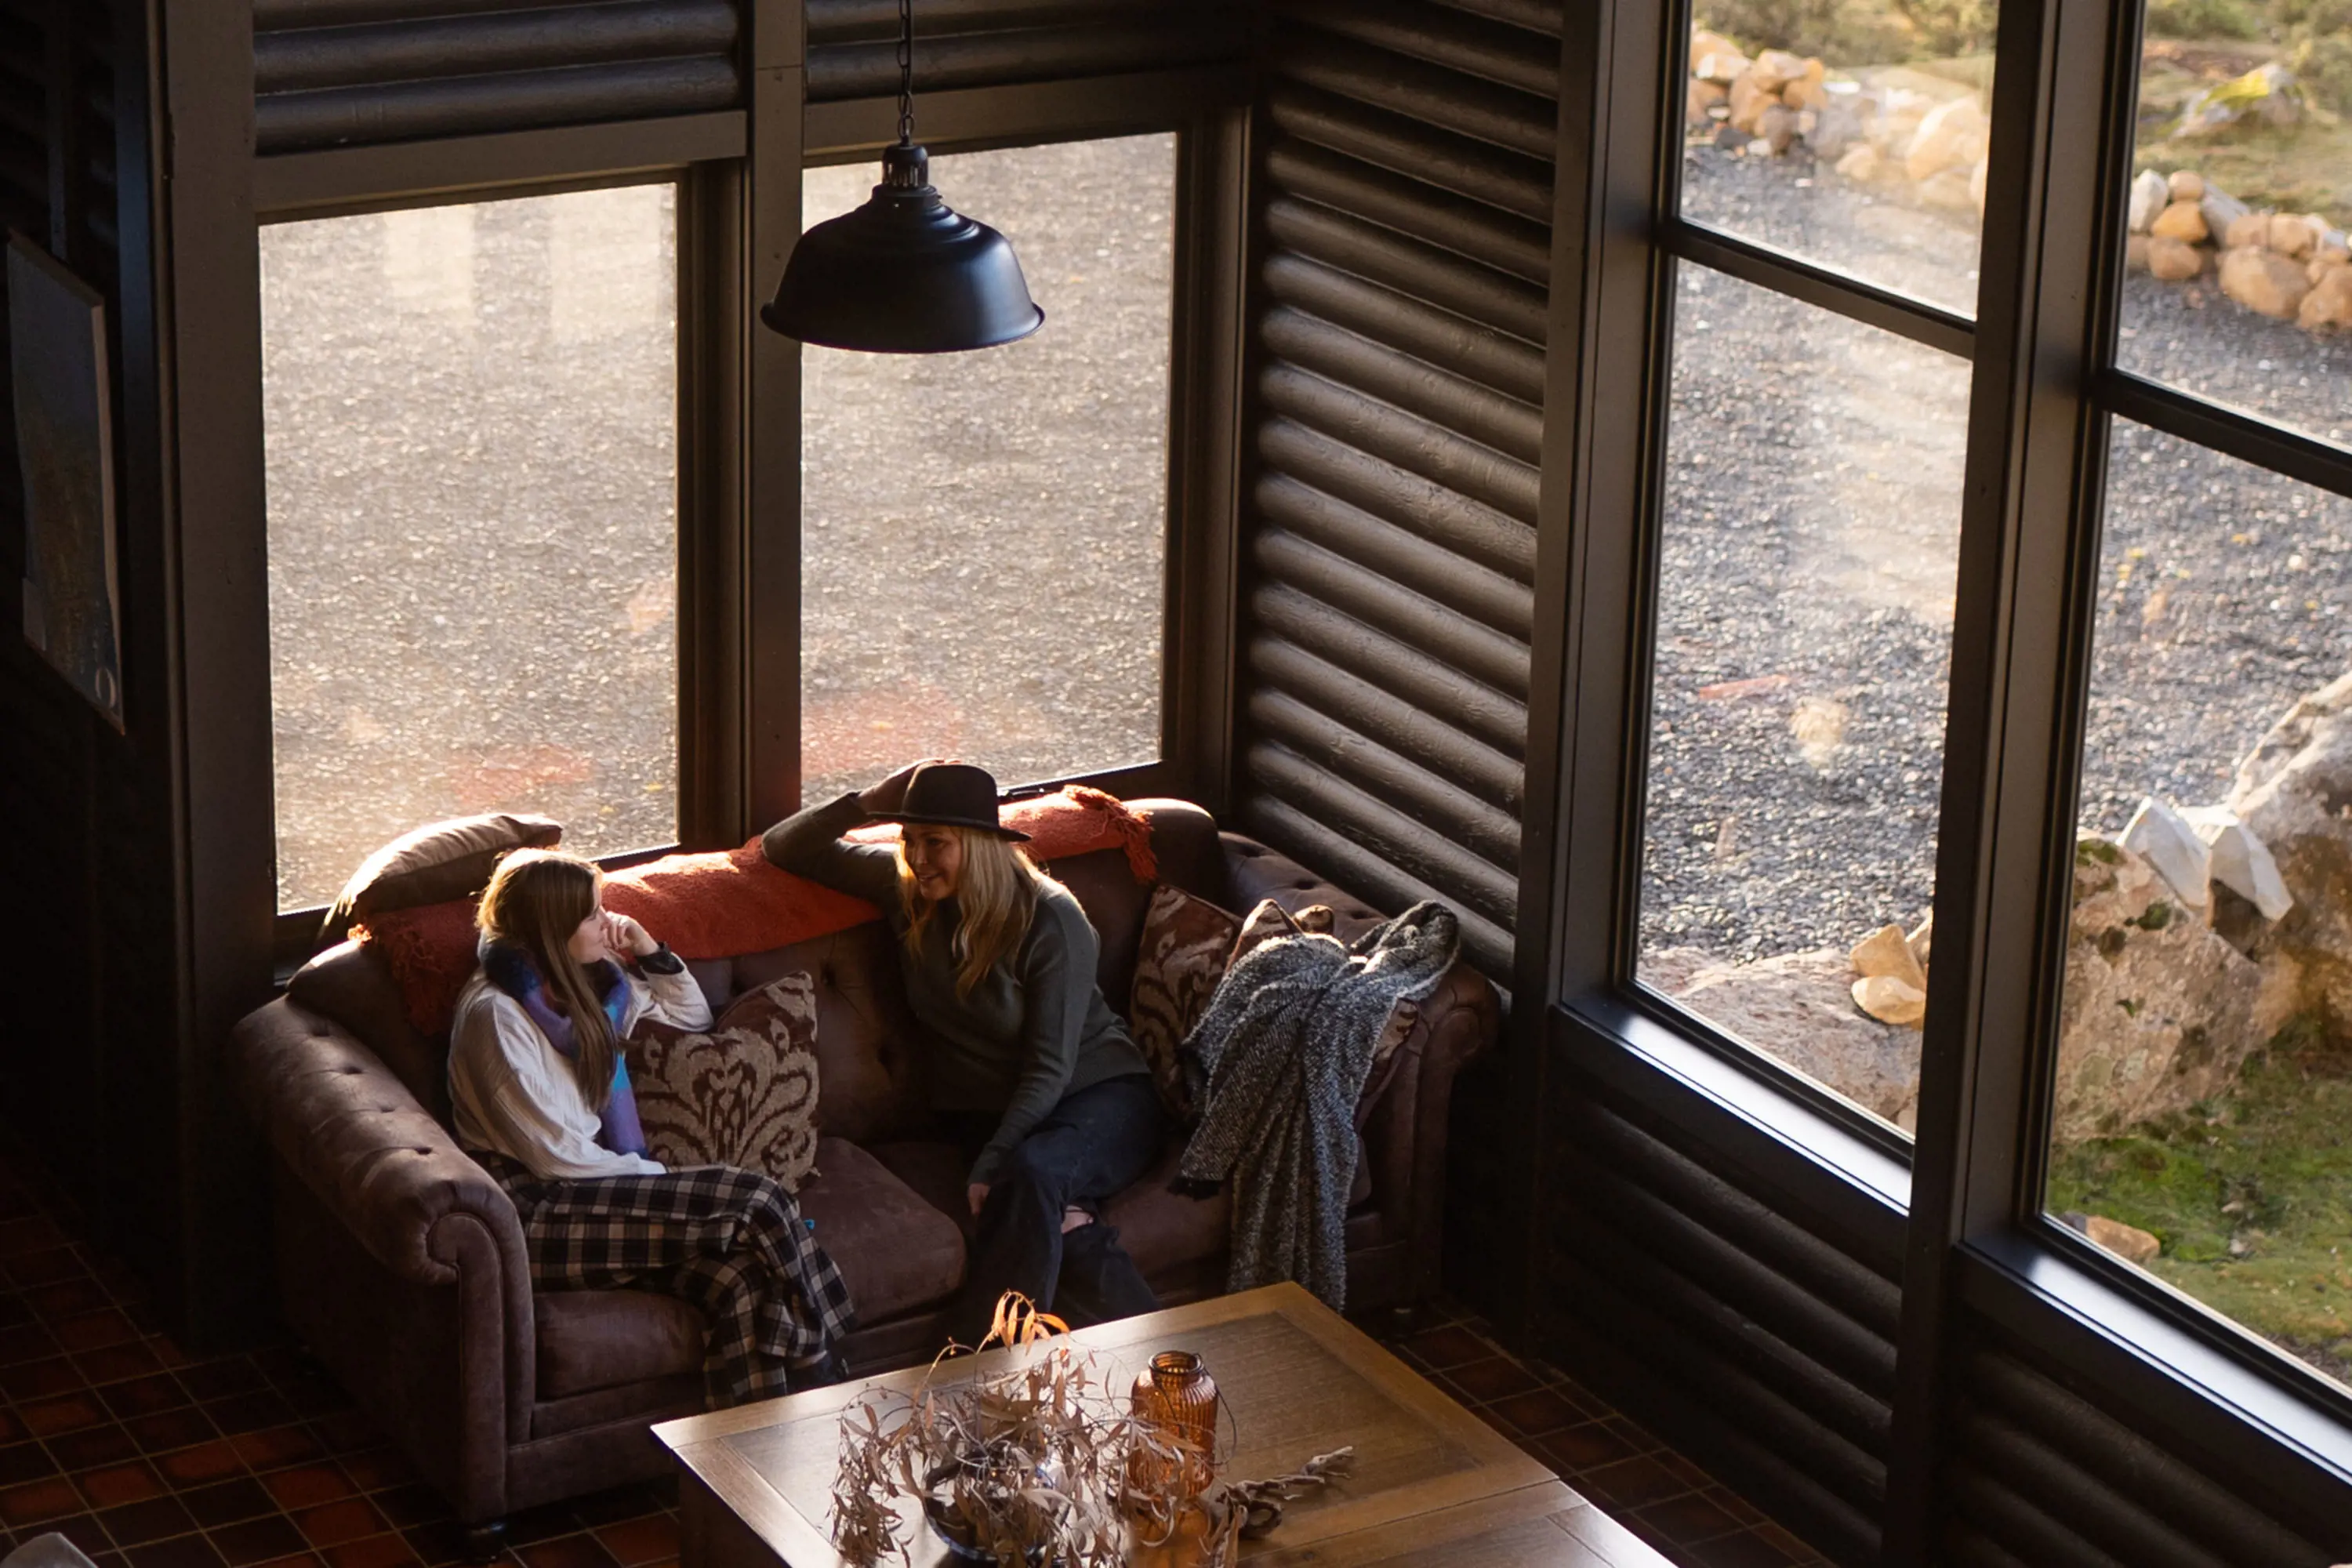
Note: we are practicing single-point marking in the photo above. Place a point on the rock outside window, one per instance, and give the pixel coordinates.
(2201, 1111)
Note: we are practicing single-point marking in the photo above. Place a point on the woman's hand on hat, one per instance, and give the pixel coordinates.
(891, 792)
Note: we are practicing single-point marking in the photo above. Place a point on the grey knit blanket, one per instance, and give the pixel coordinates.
(1278, 1063)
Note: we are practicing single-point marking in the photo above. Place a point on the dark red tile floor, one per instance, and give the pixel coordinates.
(146, 1458)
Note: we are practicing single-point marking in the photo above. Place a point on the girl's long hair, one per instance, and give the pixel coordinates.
(536, 899)
(997, 893)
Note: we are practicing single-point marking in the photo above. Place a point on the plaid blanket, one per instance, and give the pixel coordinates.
(730, 1242)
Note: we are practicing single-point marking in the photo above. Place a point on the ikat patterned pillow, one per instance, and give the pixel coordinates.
(1178, 963)
(743, 1094)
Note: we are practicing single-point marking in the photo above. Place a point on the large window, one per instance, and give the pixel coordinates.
(1852, 136)
(1804, 627)
(2201, 1108)
(472, 428)
(1816, 433)
(984, 536)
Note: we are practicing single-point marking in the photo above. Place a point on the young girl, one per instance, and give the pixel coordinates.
(541, 1098)
(1031, 1069)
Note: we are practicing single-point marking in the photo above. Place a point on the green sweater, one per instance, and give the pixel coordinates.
(1035, 1029)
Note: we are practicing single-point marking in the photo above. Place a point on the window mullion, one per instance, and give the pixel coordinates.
(1832, 290)
(2014, 666)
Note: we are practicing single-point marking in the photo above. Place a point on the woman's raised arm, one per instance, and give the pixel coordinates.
(809, 842)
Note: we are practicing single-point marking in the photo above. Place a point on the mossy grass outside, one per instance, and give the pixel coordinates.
(2249, 1193)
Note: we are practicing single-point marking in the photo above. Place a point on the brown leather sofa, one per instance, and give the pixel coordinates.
(401, 1262)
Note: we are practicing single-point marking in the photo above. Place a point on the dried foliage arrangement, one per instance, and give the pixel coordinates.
(1038, 1464)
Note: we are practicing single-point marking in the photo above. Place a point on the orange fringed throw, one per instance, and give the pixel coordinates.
(728, 902)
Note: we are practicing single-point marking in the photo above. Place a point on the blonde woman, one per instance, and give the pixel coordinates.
(1029, 1067)
(540, 1092)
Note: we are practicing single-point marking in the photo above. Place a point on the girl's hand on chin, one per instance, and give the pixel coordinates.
(624, 935)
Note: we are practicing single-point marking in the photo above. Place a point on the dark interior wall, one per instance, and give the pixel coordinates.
(1402, 315)
(1397, 312)
(88, 861)
(1399, 283)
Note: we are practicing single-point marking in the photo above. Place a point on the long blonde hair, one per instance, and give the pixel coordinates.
(997, 893)
(536, 899)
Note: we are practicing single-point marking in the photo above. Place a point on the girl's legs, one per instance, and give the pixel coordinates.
(728, 1240)
(1088, 1148)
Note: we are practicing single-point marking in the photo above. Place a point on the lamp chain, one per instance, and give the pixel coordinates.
(906, 72)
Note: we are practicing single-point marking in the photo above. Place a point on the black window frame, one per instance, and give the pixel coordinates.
(2112, 392)
(737, 174)
(296, 198)
(1600, 991)
(1966, 1190)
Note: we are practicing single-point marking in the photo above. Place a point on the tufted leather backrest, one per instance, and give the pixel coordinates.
(869, 1049)
(868, 1046)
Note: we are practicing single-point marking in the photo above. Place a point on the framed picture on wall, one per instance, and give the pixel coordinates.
(65, 444)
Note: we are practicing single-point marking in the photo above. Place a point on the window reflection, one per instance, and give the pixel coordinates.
(1804, 635)
(984, 534)
(2239, 274)
(1851, 135)
(471, 418)
(2202, 1118)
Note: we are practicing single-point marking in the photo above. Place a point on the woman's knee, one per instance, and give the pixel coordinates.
(1032, 1169)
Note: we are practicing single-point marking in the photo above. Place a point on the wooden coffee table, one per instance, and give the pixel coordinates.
(1433, 1484)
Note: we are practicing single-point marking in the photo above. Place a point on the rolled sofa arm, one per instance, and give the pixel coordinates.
(1404, 1140)
(343, 1123)
(439, 1344)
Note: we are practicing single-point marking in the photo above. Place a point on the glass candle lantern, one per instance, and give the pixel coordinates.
(1177, 1396)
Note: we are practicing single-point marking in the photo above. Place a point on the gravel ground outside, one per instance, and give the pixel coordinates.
(472, 443)
(472, 418)
(1809, 543)
(984, 534)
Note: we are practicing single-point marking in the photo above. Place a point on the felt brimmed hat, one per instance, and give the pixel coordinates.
(953, 795)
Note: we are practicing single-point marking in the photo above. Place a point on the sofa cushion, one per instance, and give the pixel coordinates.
(603, 1338)
(896, 1251)
(1114, 902)
(1163, 1230)
(935, 1172)
(743, 1092)
(1185, 844)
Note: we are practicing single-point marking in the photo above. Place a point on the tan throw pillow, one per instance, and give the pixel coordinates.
(434, 864)
(1177, 967)
(743, 1094)
(1270, 920)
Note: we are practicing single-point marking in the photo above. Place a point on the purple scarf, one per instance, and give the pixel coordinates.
(511, 971)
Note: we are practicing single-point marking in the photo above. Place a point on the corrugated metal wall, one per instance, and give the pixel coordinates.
(1754, 1331)
(1402, 208)
(332, 73)
(853, 50)
(2044, 1477)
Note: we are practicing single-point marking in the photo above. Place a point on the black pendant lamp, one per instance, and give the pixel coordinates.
(904, 274)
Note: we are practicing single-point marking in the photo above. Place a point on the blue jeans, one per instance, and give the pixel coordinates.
(1091, 1145)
